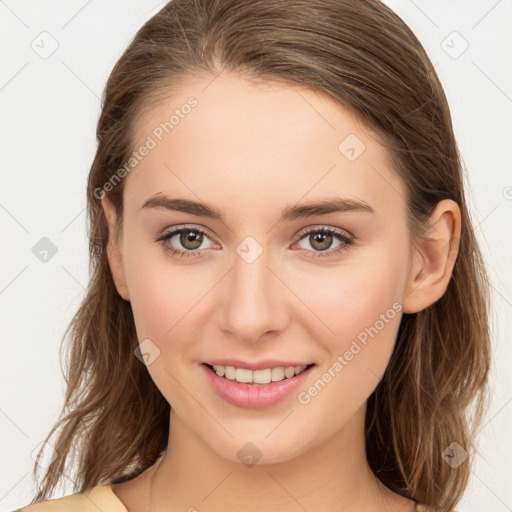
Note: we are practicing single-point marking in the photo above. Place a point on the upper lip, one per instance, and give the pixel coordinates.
(256, 365)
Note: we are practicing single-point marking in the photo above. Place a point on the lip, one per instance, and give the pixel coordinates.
(254, 396)
(256, 365)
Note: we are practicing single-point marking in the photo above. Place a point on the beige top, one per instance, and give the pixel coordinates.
(101, 497)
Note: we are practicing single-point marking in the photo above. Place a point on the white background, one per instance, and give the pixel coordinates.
(49, 111)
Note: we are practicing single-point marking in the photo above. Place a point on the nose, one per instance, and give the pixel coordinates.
(254, 302)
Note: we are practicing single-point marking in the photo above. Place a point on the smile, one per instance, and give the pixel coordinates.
(243, 388)
(264, 376)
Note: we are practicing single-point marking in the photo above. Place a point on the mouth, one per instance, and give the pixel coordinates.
(256, 389)
(261, 377)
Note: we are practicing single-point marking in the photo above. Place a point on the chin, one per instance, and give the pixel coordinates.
(259, 449)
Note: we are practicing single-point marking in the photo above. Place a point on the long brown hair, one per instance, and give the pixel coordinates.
(114, 423)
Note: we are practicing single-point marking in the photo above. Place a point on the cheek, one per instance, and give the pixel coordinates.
(347, 299)
(161, 291)
(166, 299)
(361, 304)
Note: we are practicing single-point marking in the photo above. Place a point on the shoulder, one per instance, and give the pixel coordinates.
(100, 497)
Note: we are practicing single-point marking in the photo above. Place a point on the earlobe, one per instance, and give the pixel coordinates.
(434, 258)
(114, 253)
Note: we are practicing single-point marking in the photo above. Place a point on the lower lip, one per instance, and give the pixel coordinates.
(254, 396)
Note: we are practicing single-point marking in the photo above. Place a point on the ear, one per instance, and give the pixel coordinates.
(434, 258)
(114, 249)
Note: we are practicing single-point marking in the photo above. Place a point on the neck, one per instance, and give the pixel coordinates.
(331, 476)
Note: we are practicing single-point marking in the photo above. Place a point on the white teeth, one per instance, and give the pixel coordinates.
(262, 376)
(289, 372)
(265, 376)
(277, 374)
(242, 375)
(229, 372)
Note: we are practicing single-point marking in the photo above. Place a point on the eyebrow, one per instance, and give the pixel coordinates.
(292, 212)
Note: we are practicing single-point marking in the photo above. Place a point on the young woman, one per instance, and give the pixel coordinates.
(287, 307)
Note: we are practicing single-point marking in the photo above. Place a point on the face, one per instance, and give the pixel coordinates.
(267, 278)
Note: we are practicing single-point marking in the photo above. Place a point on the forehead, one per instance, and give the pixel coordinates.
(228, 138)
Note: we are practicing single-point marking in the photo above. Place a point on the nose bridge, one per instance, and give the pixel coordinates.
(251, 306)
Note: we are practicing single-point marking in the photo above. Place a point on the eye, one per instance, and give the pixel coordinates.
(187, 237)
(322, 238)
(319, 238)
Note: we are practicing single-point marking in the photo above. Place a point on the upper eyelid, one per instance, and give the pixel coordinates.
(323, 227)
(177, 229)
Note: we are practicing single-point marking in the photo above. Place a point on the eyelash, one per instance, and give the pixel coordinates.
(345, 239)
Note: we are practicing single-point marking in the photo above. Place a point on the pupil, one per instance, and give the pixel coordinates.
(321, 238)
(191, 239)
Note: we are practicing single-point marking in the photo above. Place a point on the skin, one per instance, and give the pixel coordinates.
(250, 151)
